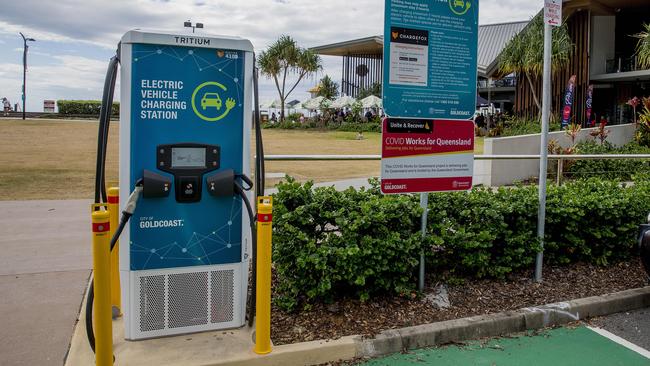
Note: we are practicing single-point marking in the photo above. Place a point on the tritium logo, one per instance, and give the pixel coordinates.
(192, 41)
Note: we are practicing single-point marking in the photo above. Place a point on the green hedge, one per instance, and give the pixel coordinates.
(360, 127)
(329, 244)
(618, 169)
(515, 126)
(311, 124)
(91, 107)
(353, 242)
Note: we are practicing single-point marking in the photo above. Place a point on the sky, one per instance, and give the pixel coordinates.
(76, 38)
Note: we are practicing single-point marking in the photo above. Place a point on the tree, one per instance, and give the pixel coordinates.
(328, 88)
(643, 47)
(524, 54)
(285, 57)
(374, 89)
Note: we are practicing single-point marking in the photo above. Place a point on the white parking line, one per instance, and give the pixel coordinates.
(625, 343)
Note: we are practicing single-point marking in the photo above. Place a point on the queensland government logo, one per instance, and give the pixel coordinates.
(208, 104)
(459, 7)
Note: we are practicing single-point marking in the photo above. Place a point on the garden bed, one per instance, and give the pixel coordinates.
(474, 297)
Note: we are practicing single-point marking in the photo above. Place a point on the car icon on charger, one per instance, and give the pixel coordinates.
(211, 100)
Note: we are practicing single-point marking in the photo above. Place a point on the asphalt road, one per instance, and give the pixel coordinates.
(633, 326)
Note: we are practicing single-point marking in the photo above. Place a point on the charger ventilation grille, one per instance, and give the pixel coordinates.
(152, 303)
(222, 296)
(176, 301)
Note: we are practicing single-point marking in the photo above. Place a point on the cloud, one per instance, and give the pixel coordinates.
(69, 77)
(100, 24)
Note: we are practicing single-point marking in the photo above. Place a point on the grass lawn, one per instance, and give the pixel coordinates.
(55, 159)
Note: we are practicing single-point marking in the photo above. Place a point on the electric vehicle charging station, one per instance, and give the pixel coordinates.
(185, 125)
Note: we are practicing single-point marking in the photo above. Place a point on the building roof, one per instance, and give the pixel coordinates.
(369, 46)
(491, 40)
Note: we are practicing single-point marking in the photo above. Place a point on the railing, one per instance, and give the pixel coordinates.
(509, 81)
(476, 157)
(559, 158)
(622, 64)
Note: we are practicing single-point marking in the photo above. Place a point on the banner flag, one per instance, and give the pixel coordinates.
(590, 94)
(568, 101)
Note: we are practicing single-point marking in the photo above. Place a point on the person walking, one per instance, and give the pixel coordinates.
(6, 106)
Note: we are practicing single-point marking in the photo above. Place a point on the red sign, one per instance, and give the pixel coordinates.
(423, 155)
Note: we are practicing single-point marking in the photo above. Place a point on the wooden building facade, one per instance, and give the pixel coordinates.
(360, 71)
(603, 56)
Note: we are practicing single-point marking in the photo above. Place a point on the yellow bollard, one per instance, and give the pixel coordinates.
(263, 298)
(102, 284)
(114, 211)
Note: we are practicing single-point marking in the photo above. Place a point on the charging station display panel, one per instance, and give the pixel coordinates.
(188, 157)
(186, 121)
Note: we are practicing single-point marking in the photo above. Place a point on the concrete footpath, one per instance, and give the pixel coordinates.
(45, 264)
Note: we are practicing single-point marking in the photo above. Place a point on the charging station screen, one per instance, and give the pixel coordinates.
(188, 157)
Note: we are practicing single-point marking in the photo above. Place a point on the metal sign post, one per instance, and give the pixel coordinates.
(429, 94)
(552, 17)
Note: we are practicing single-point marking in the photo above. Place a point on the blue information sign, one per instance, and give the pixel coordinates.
(430, 58)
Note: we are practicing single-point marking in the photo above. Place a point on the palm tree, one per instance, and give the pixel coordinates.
(328, 88)
(373, 89)
(524, 54)
(643, 47)
(285, 57)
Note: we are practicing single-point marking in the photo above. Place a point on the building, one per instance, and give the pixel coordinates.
(603, 56)
(362, 62)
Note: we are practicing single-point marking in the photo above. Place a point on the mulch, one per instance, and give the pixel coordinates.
(474, 297)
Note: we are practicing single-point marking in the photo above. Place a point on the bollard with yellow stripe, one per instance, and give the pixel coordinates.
(102, 283)
(114, 211)
(263, 297)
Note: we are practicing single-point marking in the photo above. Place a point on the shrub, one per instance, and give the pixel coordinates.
(360, 127)
(330, 244)
(642, 134)
(594, 221)
(92, 107)
(483, 233)
(294, 117)
(616, 169)
(514, 126)
(356, 242)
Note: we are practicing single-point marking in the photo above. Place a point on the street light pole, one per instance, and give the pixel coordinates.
(188, 24)
(25, 47)
(546, 111)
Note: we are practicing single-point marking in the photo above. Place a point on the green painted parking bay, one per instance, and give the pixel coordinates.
(562, 346)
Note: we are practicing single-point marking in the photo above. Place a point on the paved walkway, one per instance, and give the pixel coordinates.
(44, 268)
(579, 346)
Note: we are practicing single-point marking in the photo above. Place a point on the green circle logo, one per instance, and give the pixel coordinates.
(211, 101)
(459, 7)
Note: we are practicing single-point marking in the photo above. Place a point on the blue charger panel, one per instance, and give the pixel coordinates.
(185, 95)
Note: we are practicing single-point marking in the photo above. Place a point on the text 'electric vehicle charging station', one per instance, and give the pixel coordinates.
(185, 125)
